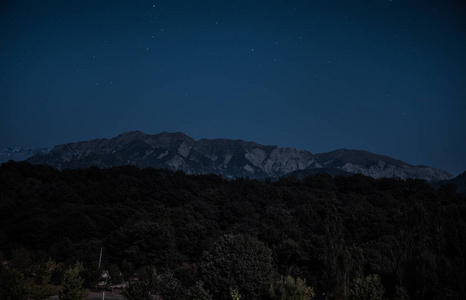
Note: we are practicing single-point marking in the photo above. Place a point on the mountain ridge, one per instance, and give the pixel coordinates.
(225, 157)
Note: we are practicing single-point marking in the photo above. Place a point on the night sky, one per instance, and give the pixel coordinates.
(383, 76)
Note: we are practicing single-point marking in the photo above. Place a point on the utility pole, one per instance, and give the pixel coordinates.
(100, 258)
(100, 262)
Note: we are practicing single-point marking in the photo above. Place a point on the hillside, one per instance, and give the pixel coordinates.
(327, 230)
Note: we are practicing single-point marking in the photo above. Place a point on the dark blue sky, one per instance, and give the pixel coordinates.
(388, 77)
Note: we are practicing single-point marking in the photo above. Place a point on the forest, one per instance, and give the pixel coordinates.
(179, 236)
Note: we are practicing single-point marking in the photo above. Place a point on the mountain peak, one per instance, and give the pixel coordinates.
(360, 157)
(130, 136)
(173, 137)
(177, 133)
(134, 133)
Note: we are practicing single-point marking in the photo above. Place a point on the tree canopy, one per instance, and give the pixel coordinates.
(205, 234)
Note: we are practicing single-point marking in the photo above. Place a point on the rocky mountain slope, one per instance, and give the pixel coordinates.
(18, 154)
(228, 158)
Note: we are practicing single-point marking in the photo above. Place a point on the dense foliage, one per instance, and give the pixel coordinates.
(73, 284)
(202, 237)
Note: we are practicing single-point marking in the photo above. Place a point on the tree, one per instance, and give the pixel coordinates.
(21, 260)
(237, 261)
(114, 274)
(333, 253)
(147, 274)
(138, 290)
(401, 294)
(12, 285)
(198, 292)
(152, 243)
(352, 267)
(73, 284)
(42, 288)
(369, 288)
(289, 288)
(288, 256)
(127, 269)
(234, 294)
(170, 288)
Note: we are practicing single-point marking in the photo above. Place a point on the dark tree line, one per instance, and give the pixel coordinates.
(200, 236)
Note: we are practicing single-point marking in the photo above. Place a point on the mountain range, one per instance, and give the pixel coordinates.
(18, 154)
(225, 157)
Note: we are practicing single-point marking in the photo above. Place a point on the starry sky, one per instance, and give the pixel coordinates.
(383, 76)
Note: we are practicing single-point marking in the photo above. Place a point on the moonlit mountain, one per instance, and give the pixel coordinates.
(225, 157)
(18, 154)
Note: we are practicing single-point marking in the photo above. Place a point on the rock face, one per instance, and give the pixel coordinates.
(228, 158)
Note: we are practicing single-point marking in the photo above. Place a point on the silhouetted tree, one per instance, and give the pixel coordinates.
(73, 284)
(237, 261)
(12, 285)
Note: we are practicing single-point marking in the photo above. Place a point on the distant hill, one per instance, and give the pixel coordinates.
(459, 182)
(225, 157)
(377, 166)
(18, 154)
